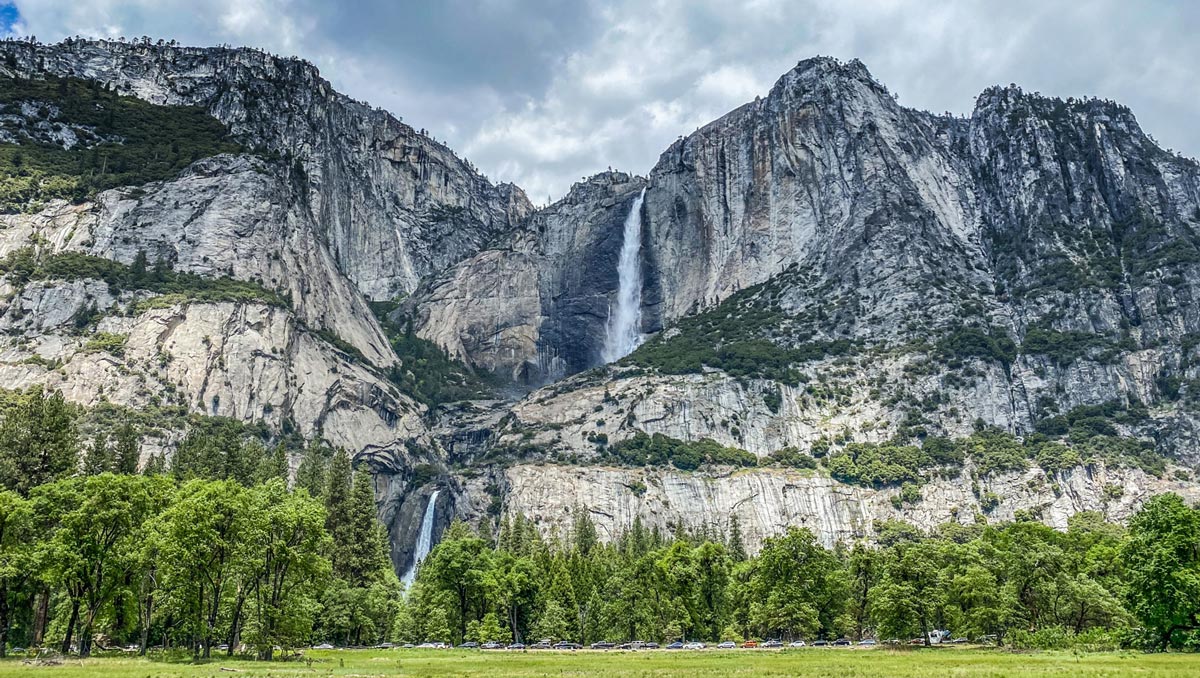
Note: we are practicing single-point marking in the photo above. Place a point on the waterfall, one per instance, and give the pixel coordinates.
(424, 542)
(623, 333)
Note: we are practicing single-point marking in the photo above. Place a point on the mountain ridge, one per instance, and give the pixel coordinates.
(823, 268)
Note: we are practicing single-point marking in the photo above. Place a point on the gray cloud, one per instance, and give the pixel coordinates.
(542, 92)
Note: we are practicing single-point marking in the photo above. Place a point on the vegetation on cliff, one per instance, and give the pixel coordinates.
(68, 138)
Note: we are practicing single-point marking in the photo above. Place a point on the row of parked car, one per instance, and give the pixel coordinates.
(547, 644)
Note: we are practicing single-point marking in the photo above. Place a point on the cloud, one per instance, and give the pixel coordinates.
(543, 92)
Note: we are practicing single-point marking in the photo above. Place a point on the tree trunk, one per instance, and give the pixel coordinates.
(235, 626)
(40, 616)
(66, 644)
(4, 621)
(148, 611)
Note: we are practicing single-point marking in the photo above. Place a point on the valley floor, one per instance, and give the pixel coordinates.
(825, 662)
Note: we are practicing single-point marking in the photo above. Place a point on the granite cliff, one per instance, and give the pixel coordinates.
(852, 311)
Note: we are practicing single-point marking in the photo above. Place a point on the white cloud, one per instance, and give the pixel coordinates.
(542, 92)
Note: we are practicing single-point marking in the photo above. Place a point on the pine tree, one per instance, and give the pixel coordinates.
(311, 473)
(360, 552)
(273, 465)
(737, 549)
(98, 458)
(337, 497)
(127, 449)
(39, 441)
(156, 465)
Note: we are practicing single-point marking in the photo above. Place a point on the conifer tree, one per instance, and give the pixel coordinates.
(98, 458)
(126, 449)
(311, 473)
(360, 555)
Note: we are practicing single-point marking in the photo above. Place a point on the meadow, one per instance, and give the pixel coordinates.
(815, 662)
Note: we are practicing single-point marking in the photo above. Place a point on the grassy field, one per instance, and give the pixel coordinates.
(834, 663)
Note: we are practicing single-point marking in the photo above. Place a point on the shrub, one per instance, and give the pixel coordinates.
(659, 450)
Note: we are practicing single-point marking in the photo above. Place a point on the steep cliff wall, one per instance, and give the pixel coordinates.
(393, 205)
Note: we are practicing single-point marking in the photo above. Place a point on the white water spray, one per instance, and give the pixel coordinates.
(623, 333)
(424, 542)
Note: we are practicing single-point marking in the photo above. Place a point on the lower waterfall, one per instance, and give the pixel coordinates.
(623, 333)
(424, 542)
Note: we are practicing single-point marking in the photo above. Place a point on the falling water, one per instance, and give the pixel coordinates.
(424, 540)
(624, 324)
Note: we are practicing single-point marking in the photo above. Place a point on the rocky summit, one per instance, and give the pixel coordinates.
(846, 311)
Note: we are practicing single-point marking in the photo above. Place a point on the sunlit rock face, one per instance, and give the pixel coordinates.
(822, 212)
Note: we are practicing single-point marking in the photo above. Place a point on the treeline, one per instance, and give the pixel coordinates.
(114, 140)
(210, 550)
(1096, 585)
(27, 264)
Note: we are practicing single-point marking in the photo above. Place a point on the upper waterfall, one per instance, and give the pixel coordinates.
(623, 333)
(424, 542)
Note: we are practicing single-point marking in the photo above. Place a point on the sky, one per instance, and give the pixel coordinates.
(545, 92)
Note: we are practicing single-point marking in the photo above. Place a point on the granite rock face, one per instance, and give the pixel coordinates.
(393, 204)
(1036, 256)
(534, 307)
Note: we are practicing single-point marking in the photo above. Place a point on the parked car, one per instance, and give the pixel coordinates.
(408, 646)
(694, 645)
(426, 646)
(541, 645)
(750, 644)
(772, 644)
(323, 646)
(567, 645)
(603, 645)
(957, 641)
(820, 643)
(651, 646)
(797, 643)
(868, 641)
(727, 645)
(492, 645)
(469, 645)
(677, 645)
(843, 642)
(516, 646)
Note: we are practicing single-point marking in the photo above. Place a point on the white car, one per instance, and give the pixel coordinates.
(727, 645)
(693, 646)
(323, 646)
(797, 643)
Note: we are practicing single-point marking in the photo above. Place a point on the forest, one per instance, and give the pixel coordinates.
(218, 551)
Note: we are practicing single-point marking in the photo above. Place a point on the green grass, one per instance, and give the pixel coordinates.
(841, 663)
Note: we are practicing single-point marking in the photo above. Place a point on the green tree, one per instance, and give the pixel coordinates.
(98, 458)
(798, 588)
(311, 473)
(17, 545)
(273, 466)
(97, 528)
(39, 441)
(1162, 560)
(199, 537)
(287, 557)
(908, 599)
(459, 566)
(127, 449)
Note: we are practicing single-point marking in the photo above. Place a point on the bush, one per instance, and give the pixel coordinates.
(659, 450)
(106, 342)
(988, 343)
(792, 458)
